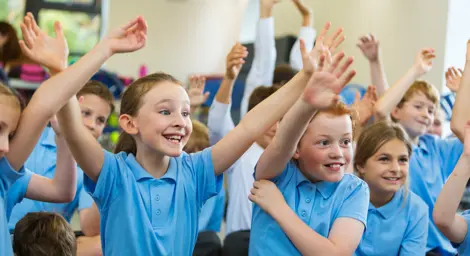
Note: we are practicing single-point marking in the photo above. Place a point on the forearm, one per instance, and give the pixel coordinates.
(224, 94)
(460, 113)
(65, 177)
(284, 144)
(449, 199)
(305, 239)
(394, 94)
(90, 221)
(378, 77)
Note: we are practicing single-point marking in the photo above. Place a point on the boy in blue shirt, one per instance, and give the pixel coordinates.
(412, 104)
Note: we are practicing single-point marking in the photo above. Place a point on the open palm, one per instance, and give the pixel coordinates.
(128, 38)
(424, 60)
(51, 52)
(453, 78)
(196, 91)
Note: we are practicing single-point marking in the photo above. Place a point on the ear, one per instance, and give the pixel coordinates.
(296, 155)
(127, 123)
(360, 169)
(396, 113)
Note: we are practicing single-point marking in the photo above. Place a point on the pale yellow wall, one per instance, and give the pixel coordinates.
(184, 37)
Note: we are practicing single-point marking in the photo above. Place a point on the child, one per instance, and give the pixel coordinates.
(369, 46)
(14, 150)
(44, 234)
(412, 104)
(317, 209)
(397, 221)
(155, 120)
(212, 212)
(455, 226)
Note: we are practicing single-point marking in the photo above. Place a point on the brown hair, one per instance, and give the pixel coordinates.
(199, 139)
(100, 90)
(261, 93)
(340, 109)
(15, 99)
(43, 234)
(132, 101)
(11, 50)
(283, 74)
(423, 87)
(374, 137)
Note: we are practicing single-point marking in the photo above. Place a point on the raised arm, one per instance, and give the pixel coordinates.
(196, 93)
(321, 92)
(391, 98)
(371, 50)
(307, 34)
(445, 215)
(453, 79)
(66, 84)
(264, 58)
(460, 113)
(220, 121)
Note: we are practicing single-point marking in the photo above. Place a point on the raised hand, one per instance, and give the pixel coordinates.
(235, 61)
(196, 91)
(322, 47)
(325, 84)
(305, 11)
(466, 144)
(453, 78)
(365, 106)
(52, 52)
(128, 38)
(267, 196)
(268, 3)
(423, 61)
(369, 47)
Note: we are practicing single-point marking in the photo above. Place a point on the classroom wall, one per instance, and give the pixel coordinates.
(184, 37)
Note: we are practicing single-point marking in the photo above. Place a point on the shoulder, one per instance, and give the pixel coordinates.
(351, 183)
(416, 205)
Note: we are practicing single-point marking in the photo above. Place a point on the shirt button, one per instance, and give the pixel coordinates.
(158, 212)
(304, 213)
(308, 200)
(157, 198)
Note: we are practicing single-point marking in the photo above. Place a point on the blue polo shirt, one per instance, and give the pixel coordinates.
(398, 228)
(142, 215)
(317, 204)
(464, 247)
(42, 161)
(7, 177)
(212, 213)
(431, 163)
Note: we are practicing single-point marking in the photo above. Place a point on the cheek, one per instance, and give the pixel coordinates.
(313, 155)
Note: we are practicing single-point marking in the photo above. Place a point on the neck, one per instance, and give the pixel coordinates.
(379, 199)
(414, 140)
(156, 164)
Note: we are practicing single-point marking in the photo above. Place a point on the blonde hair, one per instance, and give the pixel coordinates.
(420, 86)
(199, 139)
(7, 92)
(132, 101)
(44, 234)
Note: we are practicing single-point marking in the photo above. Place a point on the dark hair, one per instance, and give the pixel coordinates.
(44, 234)
(283, 74)
(261, 93)
(100, 90)
(132, 101)
(11, 50)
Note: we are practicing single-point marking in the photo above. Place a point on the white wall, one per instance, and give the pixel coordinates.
(184, 37)
(403, 27)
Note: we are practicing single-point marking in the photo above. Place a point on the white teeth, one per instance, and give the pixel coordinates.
(393, 179)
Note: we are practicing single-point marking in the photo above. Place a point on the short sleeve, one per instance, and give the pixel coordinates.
(356, 204)
(287, 174)
(17, 191)
(416, 234)
(202, 170)
(449, 152)
(8, 176)
(464, 247)
(85, 201)
(109, 182)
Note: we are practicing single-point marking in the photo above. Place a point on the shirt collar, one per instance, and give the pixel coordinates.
(390, 209)
(140, 173)
(325, 188)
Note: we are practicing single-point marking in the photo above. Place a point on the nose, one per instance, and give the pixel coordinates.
(4, 145)
(335, 152)
(395, 166)
(179, 121)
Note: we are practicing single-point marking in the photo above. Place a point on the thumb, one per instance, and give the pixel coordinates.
(58, 30)
(357, 97)
(206, 96)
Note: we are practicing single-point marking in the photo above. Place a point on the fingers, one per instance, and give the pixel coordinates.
(342, 69)
(34, 25)
(337, 43)
(334, 41)
(206, 96)
(27, 35)
(25, 49)
(347, 78)
(323, 32)
(357, 98)
(59, 33)
(336, 60)
(130, 24)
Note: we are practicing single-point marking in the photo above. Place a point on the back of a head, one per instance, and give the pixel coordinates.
(43, 234)
(283, 74)
(12, 96)
(374, 136)
(132, 101)
(11, 49)
(423, 87)
(199, 139)
(98, 89)
(261, 93)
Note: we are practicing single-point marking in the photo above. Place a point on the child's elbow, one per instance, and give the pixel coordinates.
(440, 220)
(65, 196)
(456, 126)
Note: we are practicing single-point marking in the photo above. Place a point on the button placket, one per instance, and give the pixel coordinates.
(306, 196)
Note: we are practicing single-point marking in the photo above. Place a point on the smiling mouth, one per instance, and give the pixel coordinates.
(175, 139)
(392, 178)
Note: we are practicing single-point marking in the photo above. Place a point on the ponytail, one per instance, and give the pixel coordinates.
(126, 143)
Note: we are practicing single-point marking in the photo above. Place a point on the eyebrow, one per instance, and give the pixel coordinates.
(329, 135)
(169, 100)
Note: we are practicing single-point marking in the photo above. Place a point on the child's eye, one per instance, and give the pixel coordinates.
(383, 159)
(185, 114)
(323, 143)
(346, 142)
(85, 113)
(417, 106)
(165, 112)
(101, 120)
(403, 160)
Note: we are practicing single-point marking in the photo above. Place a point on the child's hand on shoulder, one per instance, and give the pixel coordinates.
(52, 52)
(128, 38)
(324, 86)
(423, 61)
(453, 78)
(235, 60)
(196, 91)
(267, 196)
